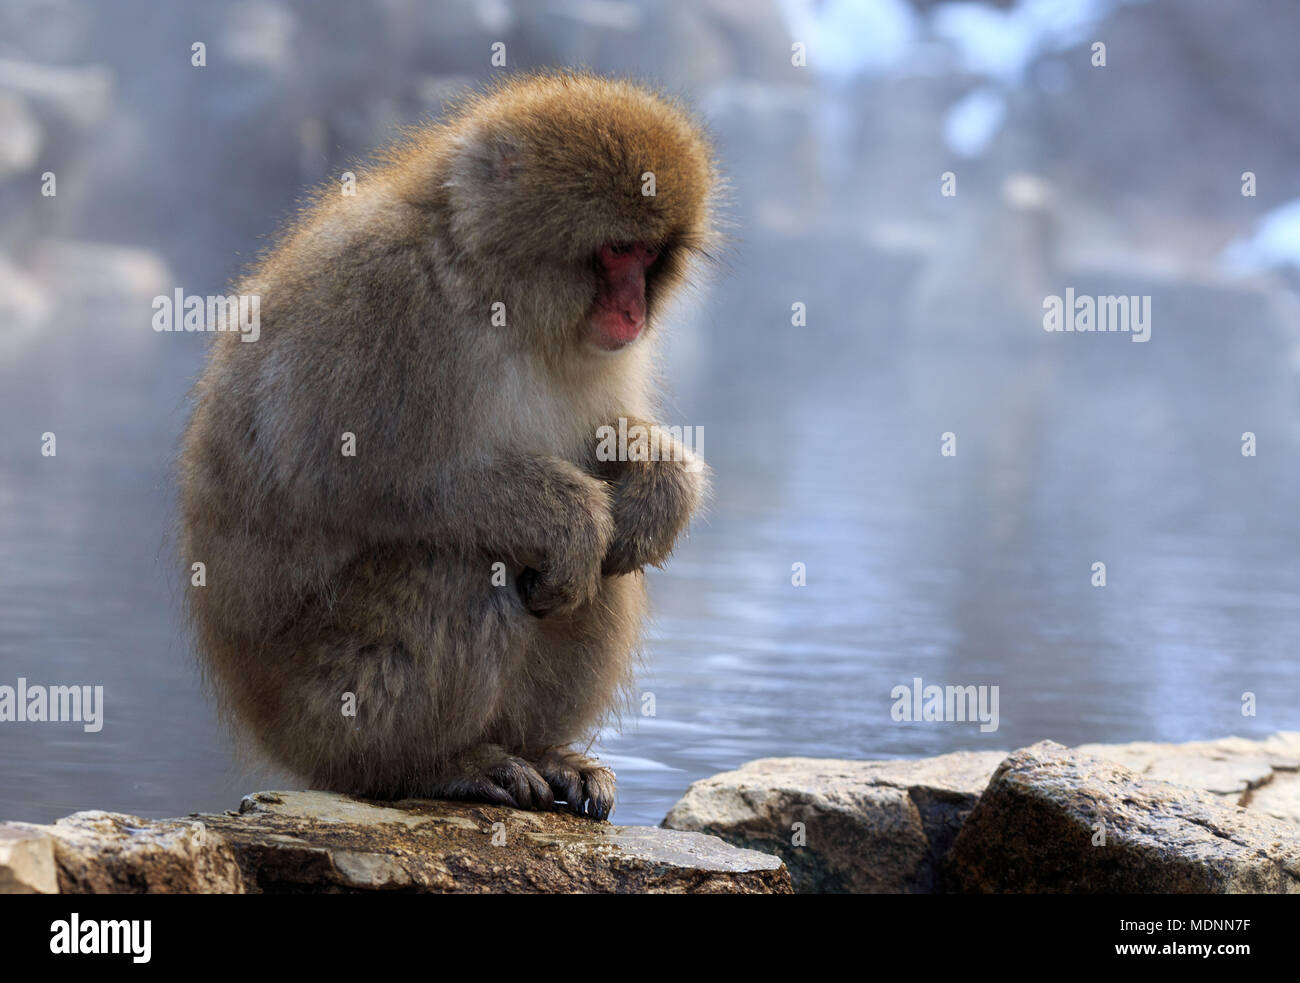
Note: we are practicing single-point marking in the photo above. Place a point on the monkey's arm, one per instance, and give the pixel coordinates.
(542, 512)
(653, 502)
(525, 510)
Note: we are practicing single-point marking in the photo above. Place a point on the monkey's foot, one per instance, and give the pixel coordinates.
(585, 787)
(489, 774)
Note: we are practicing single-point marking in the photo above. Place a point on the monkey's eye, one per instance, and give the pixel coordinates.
(651, 253)
(618, 250)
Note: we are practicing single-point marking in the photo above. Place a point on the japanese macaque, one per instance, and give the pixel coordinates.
(420, 579)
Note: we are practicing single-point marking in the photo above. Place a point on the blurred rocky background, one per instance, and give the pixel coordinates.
(924, 316)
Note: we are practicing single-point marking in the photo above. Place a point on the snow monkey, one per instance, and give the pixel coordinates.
(421, 577)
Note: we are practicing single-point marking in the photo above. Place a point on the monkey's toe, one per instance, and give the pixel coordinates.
(526, 787)
(585, 788)
(511, 782)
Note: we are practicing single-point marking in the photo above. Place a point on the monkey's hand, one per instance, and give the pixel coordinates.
(577, 530)
(653, 503)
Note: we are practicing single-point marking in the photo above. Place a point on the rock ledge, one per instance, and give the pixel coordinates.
(893, 826)
(323, 843)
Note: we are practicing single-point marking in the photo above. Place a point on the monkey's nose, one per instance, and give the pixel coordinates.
(629, 298)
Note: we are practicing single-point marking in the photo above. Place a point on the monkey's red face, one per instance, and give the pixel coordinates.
(619, 311)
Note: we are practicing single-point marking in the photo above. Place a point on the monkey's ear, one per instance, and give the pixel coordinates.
(489, 157)
(485, 183)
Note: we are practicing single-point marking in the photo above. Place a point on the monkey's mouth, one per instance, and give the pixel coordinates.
(609, 328)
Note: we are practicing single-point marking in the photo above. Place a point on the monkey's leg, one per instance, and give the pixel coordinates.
(653, 502)
(585, 787)
(425, 658)
(577, 674)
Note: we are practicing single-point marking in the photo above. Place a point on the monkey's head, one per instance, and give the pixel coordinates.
(589, 195)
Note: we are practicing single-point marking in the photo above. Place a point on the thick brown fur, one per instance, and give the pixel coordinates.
(372, 574)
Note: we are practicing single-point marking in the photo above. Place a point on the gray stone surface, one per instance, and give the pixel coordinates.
(1057, 820)
(1263, 776)
(884, 826)
(112, 853)
(1213, 816)
(319, 842)
(869, 826)
(1230, 766)
(26, 862)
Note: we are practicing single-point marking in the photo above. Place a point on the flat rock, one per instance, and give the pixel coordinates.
(1037, 828)
(883, 826)
(26, 861)
(1280, 798)
(843, 826)
(320, 842)
(1231, 766)
(113, 853)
